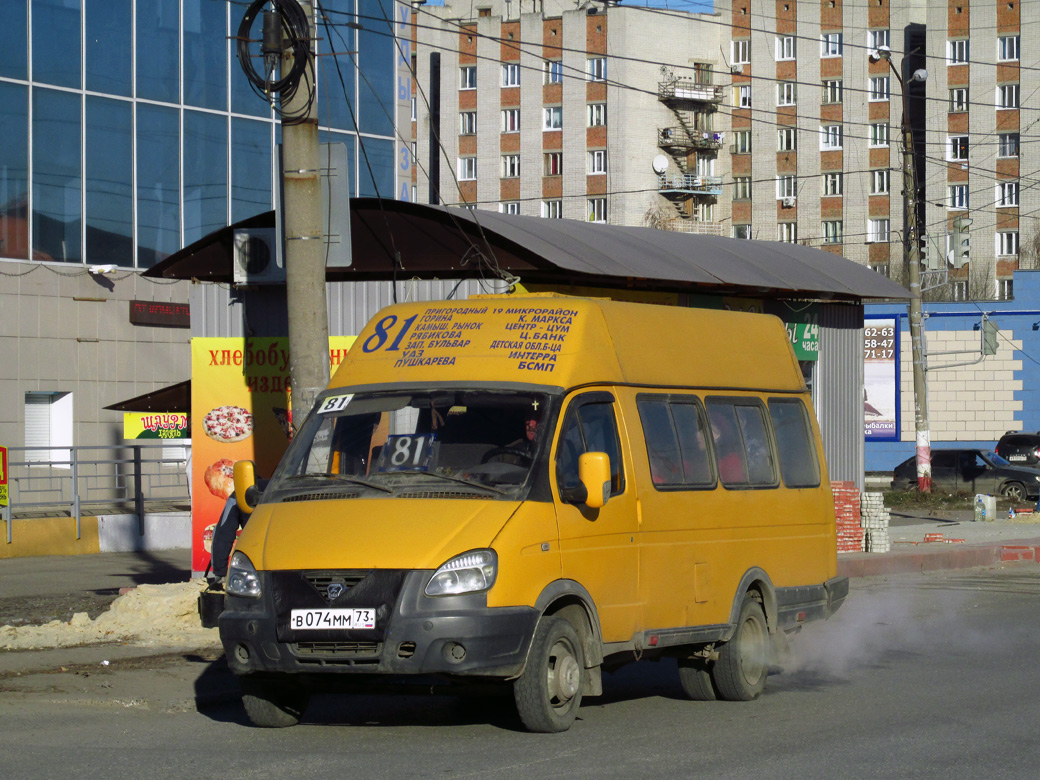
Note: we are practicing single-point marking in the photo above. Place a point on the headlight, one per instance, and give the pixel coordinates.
(242, 579)
(471, 572)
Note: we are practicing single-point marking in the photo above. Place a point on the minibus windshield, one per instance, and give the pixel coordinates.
(440, 442)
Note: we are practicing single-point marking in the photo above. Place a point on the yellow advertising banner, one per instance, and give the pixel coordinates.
(150, 425)
(240, 402)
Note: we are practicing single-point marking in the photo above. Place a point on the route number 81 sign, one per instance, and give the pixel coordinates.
(405, 452)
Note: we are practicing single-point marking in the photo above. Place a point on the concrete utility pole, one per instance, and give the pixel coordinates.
(912, 259)
(304, 248)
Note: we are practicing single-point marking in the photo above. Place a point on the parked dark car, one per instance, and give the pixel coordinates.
(1020, 448)
(972, 471)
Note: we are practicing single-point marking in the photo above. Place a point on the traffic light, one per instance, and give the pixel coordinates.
(960, 251)
(989, 337)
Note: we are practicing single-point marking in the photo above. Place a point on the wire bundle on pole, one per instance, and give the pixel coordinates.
(296, 32)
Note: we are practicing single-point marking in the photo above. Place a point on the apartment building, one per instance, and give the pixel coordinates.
(581, 110)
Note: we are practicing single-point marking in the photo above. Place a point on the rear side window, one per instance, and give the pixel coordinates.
(799, 466)
(743, 450)
(675, 432)
(589, 427)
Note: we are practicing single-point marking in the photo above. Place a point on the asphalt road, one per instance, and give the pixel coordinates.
(919, 676)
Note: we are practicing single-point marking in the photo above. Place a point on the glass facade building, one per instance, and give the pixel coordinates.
(128, 129)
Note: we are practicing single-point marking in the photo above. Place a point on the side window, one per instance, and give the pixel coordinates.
(674, 430)
(741, 439)
(589, 427)
(799, 466)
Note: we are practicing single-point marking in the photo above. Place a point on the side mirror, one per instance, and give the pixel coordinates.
(245, 485)
(594, 473)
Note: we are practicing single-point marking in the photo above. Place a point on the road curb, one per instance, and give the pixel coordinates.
(935, 556)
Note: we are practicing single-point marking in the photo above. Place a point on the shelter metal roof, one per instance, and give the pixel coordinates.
(393, 239)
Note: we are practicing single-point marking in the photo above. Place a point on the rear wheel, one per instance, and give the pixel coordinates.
(548, 693)
(695, 679)
(273, 704)
(740, 672)
(1016, 491)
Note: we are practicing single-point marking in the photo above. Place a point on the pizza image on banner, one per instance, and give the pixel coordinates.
(228, 424)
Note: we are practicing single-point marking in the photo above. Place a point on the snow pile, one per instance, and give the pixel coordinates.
(147, 615)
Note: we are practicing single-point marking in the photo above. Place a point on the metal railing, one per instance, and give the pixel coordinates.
(688, 182)
(80, 477)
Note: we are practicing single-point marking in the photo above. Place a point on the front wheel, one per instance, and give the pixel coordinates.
(740, 673)
(1016, 491)
(548, 693)
(272, 704)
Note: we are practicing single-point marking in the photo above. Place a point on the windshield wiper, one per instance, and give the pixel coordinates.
(460, 480)
(343, 478)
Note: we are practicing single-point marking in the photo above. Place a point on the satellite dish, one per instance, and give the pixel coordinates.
(660, 164)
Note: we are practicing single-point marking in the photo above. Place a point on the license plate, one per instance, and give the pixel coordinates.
(1017, 457)
(324, 619)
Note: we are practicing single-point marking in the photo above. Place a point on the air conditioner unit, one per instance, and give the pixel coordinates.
(789, 202)
(257, 259)
(736, 68)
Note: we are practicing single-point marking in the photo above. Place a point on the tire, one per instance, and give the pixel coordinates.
(740, 672)
(695, 680)
(1016, 491)
(548, 693)
(273, 705)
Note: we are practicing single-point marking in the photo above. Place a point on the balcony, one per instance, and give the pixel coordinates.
(694, 226)
(689, 184)
(688, 90)
(679, 138)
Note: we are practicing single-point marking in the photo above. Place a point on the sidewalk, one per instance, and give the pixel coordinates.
(964, 543)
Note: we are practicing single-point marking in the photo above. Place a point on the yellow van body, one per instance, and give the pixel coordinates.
(429, 556)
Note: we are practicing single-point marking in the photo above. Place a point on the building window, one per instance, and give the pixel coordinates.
(879, 88)
(786, 139)
(509, 207)
(742, 142)
(1007, 242)
(741, 188)
(785, 47)
(877, 38)
(1007, 96)
(786, 187)
(877, 231)
(958, 100)
(833, 183)
(740, 51)
(597, 208)
(832, 91)
(880, 181)
(1007, 145)
(553, 163)
(467, 168)
(415, 108)
(742, 231)
(468, 77)
(511, 120)
(830, 44)
(596, 68)
(597, 114)
(1005, 289)
(833, 232)
(510, 166)
(787, 232)
(957, 148)
(742, 96)
(879, 134)
(957, 51)
(831, 137)
(48, 425)
(598, 161)
(552, 118)
(958, 197)
(1007, 193)
(553, 73)
(467, 123)
(552, 209)
(1007, 48)
(786, 92)
(511, 75)
(959, 290)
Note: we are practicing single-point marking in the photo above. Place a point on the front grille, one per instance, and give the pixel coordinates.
(444, 494)
(323, 496)
(320, 581)
(354, 649)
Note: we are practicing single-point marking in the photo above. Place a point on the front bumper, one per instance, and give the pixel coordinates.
(414, 634)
